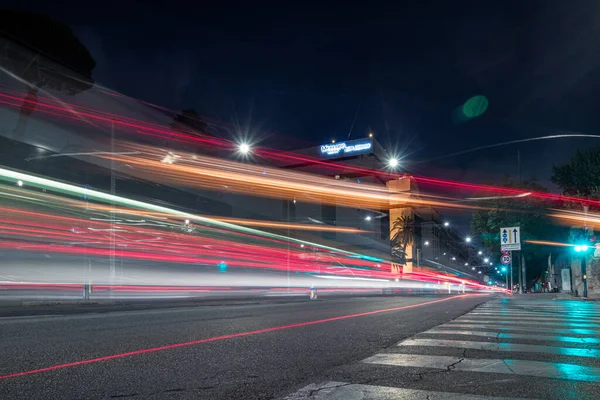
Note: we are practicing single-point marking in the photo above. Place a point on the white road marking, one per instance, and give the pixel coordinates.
(347, 391)
(505, 335)
(519, 322)
(578, 331)
(516, 367)
(502, 346)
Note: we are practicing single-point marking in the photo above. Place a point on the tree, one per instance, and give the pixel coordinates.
(403, 235)
(42, 53)
(579, 177)
(530, 214)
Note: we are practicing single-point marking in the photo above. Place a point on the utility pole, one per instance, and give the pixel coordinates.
(523, 270)
(520, 277)
(511, 276)
(112, 267)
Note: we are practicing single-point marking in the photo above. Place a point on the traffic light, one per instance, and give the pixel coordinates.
(222, 266)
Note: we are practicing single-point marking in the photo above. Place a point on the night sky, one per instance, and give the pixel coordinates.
(297, 75)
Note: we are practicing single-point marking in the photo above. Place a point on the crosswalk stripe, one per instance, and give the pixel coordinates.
(573, 331)
(504, 335)
(534, 316)
(502, 346)
(563, 324)
(344, 391)
(500, 366)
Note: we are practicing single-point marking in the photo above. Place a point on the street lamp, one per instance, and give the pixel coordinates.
(244, 148)
(446, 224)
(473, 268)
(426, 243)
(480, 252)
(19, 183)
(453, 258)
(187, 221)
(486, 260)
(368, 218)
(393, 162)
(466, 264)
(468, 239)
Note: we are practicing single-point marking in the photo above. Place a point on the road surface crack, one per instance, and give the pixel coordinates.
(315, 391)
(450, 367)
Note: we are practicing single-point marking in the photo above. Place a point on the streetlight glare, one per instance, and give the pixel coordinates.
(368, 218)
(446, 223)
(480, 252)
(393, 162)
(426, 243)
(468, 239)
(19, 183)
(244, 148)
(485, 260)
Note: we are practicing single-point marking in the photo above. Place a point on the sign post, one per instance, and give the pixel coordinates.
(510, 240)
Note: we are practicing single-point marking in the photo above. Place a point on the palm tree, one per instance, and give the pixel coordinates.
(403, 235)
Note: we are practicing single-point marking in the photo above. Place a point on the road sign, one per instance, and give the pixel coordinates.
(505, 252)
(510, 238)
(505, 259)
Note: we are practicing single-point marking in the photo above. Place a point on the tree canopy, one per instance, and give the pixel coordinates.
(581, 175)
(44, 52)
(530, 214)
(403, 235)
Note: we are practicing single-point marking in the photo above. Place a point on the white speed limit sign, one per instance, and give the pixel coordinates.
(505, 259)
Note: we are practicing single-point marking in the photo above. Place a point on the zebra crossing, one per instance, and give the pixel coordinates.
(508, 348)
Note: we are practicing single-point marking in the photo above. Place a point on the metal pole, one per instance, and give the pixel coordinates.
(520, 276)
(112, 271)
(511, 276)
(506, 280)
(584, 275)
(523, 271)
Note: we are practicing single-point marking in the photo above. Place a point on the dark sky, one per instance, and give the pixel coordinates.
(301, 72)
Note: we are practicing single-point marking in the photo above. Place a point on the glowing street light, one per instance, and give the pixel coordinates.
(468, 239)
(393, 162)
(453, 258)
(426, 243)
(480, 252)
(446, 224)
(368, 218)
(244, 148)
(19, 183)
(466, 264)
(187, 221)
(370, 134)
(486, 260)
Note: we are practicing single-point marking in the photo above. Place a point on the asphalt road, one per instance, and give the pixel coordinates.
(232, 355)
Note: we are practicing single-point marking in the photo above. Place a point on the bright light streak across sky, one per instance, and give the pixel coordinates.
(69, 111)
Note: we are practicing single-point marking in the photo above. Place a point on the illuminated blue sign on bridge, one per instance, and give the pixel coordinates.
(347, 148)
